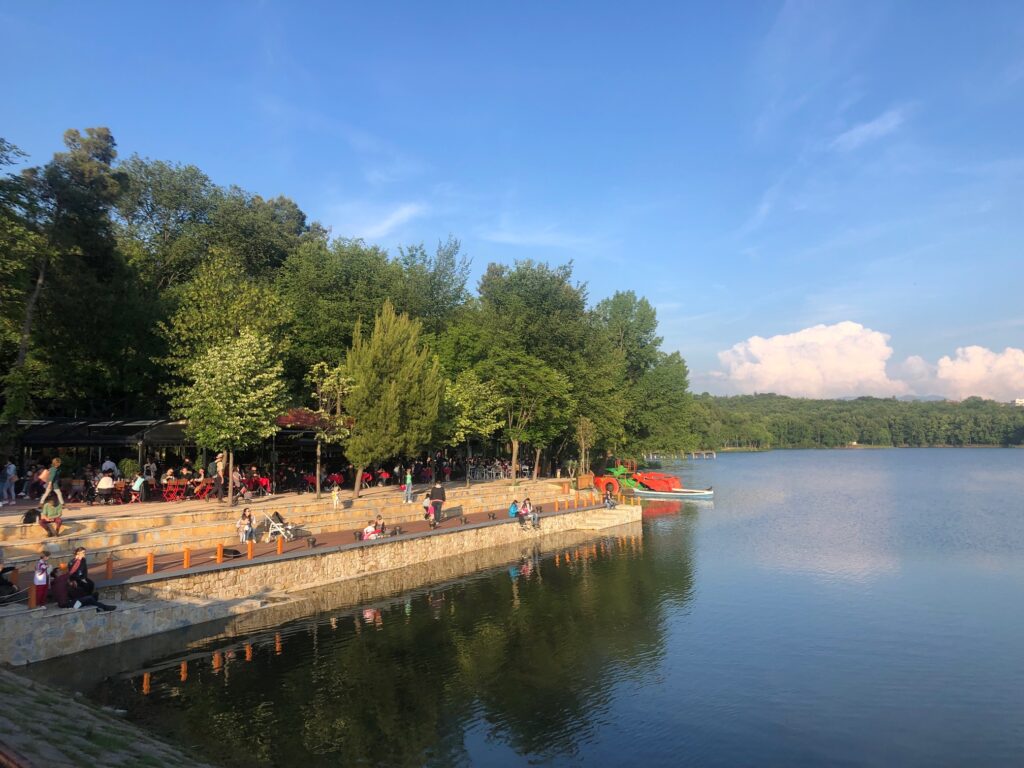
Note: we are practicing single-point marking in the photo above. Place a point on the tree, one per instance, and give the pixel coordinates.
(79, 295)
(533, 396)
(328, 288)
(396, 394)
(330, 387)
(475, 410)
(220, 300)
(234, 395)
(586, 433)
(632, 327)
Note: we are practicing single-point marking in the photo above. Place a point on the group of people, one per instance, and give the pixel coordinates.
(525, 513)
(70, 587)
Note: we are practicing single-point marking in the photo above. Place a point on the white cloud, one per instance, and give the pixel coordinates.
(846, 360)
(886, 123)
(370, 222)
(823, 361)
(980, 371)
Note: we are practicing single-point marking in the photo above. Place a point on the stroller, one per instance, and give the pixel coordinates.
(277, 526)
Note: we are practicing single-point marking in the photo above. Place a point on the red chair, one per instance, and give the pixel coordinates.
(203, 489)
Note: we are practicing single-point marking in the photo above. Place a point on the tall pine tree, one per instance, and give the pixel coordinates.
(396, 392)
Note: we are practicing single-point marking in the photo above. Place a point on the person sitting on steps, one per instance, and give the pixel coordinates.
(51, 519)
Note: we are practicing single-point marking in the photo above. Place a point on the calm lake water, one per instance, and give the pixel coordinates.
(829, 608)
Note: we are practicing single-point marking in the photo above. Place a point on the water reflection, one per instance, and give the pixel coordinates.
(528, 653)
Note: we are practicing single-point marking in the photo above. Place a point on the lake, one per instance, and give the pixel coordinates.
(829, 607)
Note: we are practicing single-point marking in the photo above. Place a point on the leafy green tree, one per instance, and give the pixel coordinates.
(329, 288)
(632, 327)
(330, 388)
(534, 397)
(234, 395)
(475, 410)
(396, 394)
(433, 287)
(535, 309)
(212, 309)
(662, 420)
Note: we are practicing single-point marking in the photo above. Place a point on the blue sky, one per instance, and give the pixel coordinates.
(756, 170)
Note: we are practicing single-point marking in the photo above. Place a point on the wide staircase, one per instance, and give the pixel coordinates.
(136, 530)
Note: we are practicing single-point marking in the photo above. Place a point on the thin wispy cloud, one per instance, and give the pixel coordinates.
(885, 124)
(372, 222)
(544, 237)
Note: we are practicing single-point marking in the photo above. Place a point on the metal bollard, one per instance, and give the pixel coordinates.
(150, 563)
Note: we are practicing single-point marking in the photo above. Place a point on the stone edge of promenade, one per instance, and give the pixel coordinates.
(149, 605)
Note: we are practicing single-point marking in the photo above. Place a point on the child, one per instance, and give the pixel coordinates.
(41, 578)
(334, 498)
(513, 509)
(244, 527)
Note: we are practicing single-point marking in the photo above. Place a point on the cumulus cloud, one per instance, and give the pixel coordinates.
(980, 371)
(848, 360)
(823, 361)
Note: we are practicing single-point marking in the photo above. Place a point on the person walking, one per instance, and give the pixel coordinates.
(53, 484)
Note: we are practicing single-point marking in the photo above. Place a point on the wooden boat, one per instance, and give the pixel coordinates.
(676, 494)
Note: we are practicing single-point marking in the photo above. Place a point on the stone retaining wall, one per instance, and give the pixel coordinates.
(149, 605)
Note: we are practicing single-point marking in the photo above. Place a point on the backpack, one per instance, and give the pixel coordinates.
(31, 516)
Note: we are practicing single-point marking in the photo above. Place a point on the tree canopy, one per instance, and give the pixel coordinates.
(119, 277)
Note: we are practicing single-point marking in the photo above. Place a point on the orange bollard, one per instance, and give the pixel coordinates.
(280, 545)
(220, 553)
(146, 683)
(248, 651)
(278, 646)
(183, 672)
(31, 596)
(150, 563)
(556, 505)
(576, 503)
(186, 559)
(249, 550)
(110, 566)
(218, 661)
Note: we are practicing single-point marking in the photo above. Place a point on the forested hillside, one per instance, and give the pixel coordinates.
(772, 421)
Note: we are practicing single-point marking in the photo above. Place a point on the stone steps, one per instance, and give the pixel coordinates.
(207, 529)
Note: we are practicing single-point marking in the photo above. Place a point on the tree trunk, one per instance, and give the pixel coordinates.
(30, 311)
(536, 464)
(357, 483)
(231, 476)
(515, 462)
(318, 468)
(467, 461)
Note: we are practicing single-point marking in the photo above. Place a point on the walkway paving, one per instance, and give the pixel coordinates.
(174, 562)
